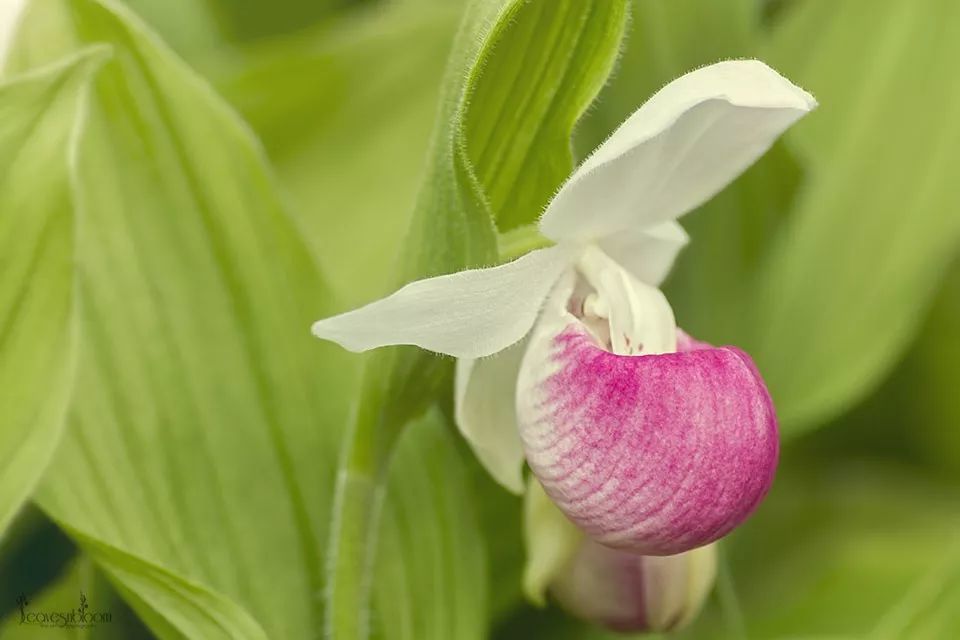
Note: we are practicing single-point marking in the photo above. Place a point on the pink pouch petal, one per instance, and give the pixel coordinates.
(654, 454)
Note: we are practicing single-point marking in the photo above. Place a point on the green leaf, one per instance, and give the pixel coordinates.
(431, 573)
(81, 579)
(847, 550)
(873, 231)
(171, 605)
(531, 89)
(502, 115)
(190, 27)
(203, 434)
(927, 407)
(40, 114)
(329, 136)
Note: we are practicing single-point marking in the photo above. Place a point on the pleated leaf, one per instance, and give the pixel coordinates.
(200, 459)
(876, 226)
(431, 572)
(40, 116)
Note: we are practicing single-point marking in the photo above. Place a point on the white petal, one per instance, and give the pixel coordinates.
(485, 403)
(677, 150)
(677, 586)
(469, 314)
(648, 254)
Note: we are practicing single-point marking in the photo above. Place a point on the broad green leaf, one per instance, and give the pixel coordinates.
(171, 605)
(203, 434)
(847, 550)
(40, 117)
(190, 27)
(874, 229)
(928, 409)
(250, 19)
(431, 573)
(351, 165)
(533, 86)
(79, 584)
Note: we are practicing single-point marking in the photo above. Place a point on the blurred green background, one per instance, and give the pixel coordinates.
(834, 261)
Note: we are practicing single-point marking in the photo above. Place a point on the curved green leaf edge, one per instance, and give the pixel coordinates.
(38, 333)
(197, 362)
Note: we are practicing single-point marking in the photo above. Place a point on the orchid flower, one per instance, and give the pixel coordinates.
(570, 357)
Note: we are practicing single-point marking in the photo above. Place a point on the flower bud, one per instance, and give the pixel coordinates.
(618, 589)
(627, 592)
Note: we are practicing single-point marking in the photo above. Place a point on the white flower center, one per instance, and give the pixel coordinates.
(624, 315)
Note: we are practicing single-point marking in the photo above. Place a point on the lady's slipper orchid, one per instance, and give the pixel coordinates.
(570, 356)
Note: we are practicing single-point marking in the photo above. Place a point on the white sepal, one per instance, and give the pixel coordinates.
(648, 254)
(686, 143)
(485, 396)
(468, 314)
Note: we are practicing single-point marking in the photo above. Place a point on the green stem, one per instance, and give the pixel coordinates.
(356, 511)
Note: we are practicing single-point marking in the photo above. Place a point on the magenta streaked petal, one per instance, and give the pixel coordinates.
(653, 454)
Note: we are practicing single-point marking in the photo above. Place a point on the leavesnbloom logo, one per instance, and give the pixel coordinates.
(77, 618)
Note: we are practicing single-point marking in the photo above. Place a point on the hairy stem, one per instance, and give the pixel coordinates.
(356, 512)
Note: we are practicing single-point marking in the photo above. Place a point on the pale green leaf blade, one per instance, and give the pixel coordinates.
(204, 408)
(40, 115)
(331, 137)
(431, 573)
(846, 550)
(532, 88)
(172, 605)
(876, 226)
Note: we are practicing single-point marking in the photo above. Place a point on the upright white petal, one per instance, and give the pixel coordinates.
(677, 150)
(468, 314)
(647, 253)
(485, 397)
